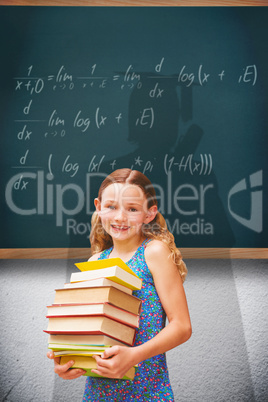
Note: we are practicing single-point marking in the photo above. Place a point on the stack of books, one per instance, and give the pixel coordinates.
(94, 311)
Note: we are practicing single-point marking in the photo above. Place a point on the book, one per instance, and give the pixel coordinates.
(82, 340)
(114, 273)
(99, 264)
(88, 363)
(106, 309)
(93, 312)
(74, 348)
(107, 294)
(97, 283)
(91, 325)
(89, 352)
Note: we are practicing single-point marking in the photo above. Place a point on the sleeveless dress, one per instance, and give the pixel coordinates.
(151, 381)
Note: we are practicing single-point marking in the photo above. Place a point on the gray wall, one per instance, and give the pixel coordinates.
(226, 358)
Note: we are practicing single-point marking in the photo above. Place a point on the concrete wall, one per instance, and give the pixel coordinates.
(226, 358)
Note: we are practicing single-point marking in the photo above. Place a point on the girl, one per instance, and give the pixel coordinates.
(126, 224)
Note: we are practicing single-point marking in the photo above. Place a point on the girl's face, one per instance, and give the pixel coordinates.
(123, 209)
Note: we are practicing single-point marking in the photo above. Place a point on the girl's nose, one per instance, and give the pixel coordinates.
(120, 216)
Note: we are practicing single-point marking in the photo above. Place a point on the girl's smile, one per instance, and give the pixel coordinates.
(118, 228)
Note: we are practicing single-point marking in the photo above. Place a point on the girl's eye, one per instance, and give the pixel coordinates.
(132, 210)
(111, 206)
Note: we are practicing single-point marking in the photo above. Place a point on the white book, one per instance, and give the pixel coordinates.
(97, 283)
(113, 273)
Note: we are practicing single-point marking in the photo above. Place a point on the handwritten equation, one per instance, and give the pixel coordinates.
(66, 80)
(199, 165)
(195, 166)
(53, 121)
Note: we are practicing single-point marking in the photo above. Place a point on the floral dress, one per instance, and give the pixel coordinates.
(151, 381)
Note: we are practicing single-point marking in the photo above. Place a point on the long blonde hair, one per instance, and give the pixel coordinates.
(156, 229)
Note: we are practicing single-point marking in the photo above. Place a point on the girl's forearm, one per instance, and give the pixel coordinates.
(174, 334)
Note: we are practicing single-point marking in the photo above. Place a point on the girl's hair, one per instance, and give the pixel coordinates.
(156, 229)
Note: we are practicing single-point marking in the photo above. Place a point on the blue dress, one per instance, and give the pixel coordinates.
(151, 382)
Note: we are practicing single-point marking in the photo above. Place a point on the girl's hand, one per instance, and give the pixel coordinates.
(65, 371)
(115, 361)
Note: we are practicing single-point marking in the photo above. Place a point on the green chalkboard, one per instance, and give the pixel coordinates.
(178, 93)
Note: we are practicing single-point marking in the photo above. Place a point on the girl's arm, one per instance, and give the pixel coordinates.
(170, 289)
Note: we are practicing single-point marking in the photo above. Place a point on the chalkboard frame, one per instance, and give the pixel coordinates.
(131, 3)
(84, 253)
(188, 253)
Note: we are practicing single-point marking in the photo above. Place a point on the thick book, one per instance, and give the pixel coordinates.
(67, 340)
(114, 273)
(91, 325)
(88, 363)
(97, 283)
(107, 294)
(106, 309)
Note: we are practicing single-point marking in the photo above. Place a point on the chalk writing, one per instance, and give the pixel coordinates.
(130, 79)
(188, 163)
(70, 167)
(54, 123)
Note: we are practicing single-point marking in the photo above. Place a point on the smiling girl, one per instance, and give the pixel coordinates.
(127, 224)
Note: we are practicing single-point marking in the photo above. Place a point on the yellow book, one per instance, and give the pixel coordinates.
(88, 363)
(99, 264)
